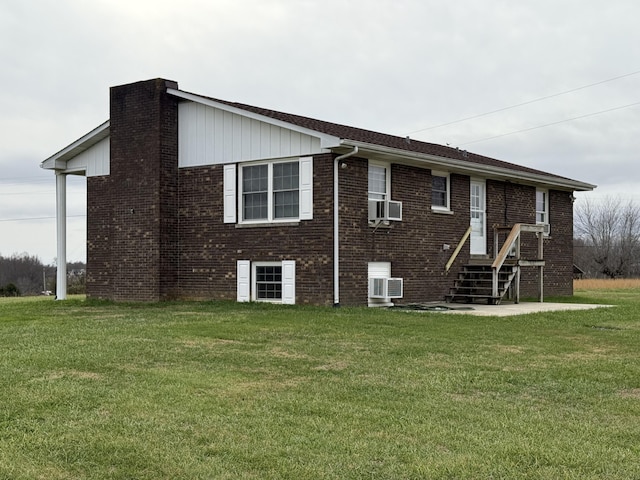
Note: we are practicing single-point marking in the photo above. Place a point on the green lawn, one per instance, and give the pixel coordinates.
(229, 391)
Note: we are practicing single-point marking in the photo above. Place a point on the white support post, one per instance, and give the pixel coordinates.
(61, 235)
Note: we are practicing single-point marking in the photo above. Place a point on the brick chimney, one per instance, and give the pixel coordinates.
(132, 213)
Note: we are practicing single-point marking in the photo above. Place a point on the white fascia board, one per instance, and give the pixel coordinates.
(470, 168)
(59, 160)
(326, 141)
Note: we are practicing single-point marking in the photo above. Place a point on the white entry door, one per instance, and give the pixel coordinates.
(478, 218)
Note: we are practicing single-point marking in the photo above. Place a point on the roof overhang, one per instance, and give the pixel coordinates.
(59, 160)
(460, 166)
(326, 141)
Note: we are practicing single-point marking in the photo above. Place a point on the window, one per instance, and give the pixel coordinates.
(270, 191)
(381, 207)
(378, 182)
(286, 199)
(542, 207)
(266, 281)
(255, 192)
(440, 191)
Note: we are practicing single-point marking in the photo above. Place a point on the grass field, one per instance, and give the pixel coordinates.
(93, 390)
(589, 284)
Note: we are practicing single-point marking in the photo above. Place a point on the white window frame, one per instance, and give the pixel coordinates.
(545, 211)
(233, 191)
(387, 175)
(447, 207)
(247, 285)
(373, 196)
(254, 282)
(270, 193)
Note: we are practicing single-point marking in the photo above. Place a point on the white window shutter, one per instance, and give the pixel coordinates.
(243, 275)
(306, 188)
(289, 282)
(230, 193)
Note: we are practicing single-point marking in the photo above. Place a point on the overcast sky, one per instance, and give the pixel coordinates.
(401, 67)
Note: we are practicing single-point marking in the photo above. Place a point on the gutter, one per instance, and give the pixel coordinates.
(336, 226)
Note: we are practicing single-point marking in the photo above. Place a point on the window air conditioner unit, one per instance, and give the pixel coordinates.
(385, 288)
(385, 210)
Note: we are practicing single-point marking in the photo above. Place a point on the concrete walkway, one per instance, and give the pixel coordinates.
(505, 309)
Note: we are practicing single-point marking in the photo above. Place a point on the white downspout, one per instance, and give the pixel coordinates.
(61, 233)
(336, 223)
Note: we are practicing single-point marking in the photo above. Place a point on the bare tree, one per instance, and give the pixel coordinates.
(609, 234)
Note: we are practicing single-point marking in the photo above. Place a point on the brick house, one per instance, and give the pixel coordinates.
(194, 197)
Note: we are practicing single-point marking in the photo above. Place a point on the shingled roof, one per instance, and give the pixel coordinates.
(391, 141)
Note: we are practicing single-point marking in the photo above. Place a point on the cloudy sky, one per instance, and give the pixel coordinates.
(552, 84)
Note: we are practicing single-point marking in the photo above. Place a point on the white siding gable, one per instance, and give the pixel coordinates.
(212, 136)
(95, 160)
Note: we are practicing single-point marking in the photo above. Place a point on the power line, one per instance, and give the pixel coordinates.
(551, 124)
(525, 103)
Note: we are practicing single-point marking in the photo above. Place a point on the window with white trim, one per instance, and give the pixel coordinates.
(266, 281)
(379, 181)
(542, 207)
(273, 191)
(440, 191)
(381, 207)
(270, 191)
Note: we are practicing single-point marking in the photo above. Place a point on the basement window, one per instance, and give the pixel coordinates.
(267, 281)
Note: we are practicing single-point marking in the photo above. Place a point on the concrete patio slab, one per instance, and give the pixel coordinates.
(504, 309)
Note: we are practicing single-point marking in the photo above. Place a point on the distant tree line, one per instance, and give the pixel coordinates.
(607, 238)
(24, 274)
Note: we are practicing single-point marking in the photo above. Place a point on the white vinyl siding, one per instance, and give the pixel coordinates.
(95, 161)
(211, 136)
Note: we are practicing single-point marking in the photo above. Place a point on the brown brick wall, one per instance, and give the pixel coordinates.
(156, 232)
(210, 248)
(133, 206)
(414, 246)
(509, 203)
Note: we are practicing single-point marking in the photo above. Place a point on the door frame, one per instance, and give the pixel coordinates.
(478, 247)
